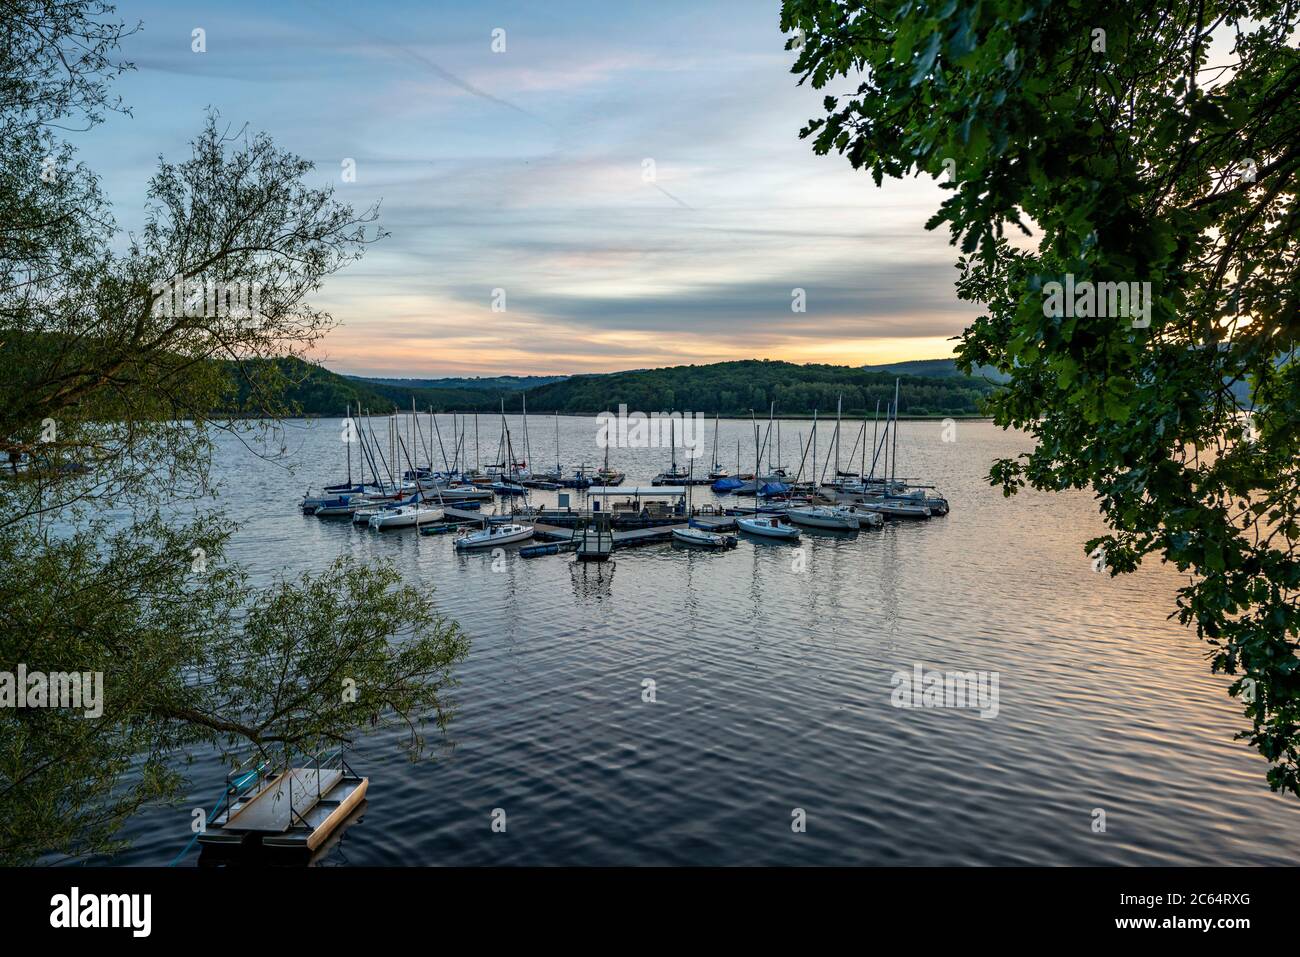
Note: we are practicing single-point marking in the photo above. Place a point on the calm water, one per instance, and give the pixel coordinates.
(773, 689)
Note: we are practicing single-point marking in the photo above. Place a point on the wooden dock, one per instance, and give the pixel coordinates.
(463, 515)
(623, 538)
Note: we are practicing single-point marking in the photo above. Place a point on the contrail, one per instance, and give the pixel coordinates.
(443, 73)
(679, 202)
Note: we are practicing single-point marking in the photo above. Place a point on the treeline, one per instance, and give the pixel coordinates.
(293, 387)
(734, 388)
(727, 388)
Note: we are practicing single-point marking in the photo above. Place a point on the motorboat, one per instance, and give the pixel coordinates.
(769, 526)
(700, 538)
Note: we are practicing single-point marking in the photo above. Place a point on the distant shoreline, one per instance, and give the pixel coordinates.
(960, 417)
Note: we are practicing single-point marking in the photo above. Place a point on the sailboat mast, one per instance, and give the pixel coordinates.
(894, 456)
(862, 469)
(839, 409)
(875, 445)
(716, 463)
(441, 448)
(771, 417)
(814, 448)
(347, 426)
(528, 449)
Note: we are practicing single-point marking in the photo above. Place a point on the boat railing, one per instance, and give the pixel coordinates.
(242, 777)
(327, 759)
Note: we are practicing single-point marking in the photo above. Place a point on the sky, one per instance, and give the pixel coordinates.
(629, 175)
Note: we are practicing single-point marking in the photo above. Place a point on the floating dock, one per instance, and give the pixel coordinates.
(297, 808)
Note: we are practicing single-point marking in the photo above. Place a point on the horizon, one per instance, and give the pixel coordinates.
(634, 203)
(880, 367)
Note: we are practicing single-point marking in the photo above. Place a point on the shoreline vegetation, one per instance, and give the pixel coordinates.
(729, 389)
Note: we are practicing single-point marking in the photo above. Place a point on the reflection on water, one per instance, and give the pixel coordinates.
(773, 688)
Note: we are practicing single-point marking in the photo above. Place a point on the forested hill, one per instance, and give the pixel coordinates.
(727, 388)
(734, 388)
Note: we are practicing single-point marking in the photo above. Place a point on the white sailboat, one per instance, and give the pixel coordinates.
(826, 516)
(499, 533)
(406, 516)
(718, 471)
(892, 508)
(495, 535)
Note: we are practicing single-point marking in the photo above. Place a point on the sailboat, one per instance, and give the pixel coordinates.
(762, 485)
(700, 537)
(410, 514)
(676, 474)
(731, 482)
(499, 533)
(717, 472)
(887, 496)
(494, 535)
(406, 516)
(550, 480)
(607, 476)
(833, 517)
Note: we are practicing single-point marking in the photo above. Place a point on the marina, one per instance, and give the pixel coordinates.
(756, 660)
(592, 518)
(581, 438)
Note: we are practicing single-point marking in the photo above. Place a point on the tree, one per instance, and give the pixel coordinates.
(1102, 133)
(110, 562)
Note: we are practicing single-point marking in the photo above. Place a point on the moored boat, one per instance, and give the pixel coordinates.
(406, 516)
(699, 537)
(768, 526)
(825, 516)
(495, 535)
(894, 508)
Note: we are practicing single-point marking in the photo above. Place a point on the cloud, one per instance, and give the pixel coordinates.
(526, 171)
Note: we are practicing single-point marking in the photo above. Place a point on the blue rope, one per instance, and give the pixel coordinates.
(220, 801)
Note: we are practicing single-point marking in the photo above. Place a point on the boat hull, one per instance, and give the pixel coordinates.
(767, 529)
(479, 540)
(702, 539)
(403, 519)
(839, 523)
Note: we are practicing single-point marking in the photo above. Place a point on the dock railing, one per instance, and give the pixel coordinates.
(328, 759)
(242, 777)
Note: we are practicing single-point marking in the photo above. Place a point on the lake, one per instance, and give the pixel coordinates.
(773, 674)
